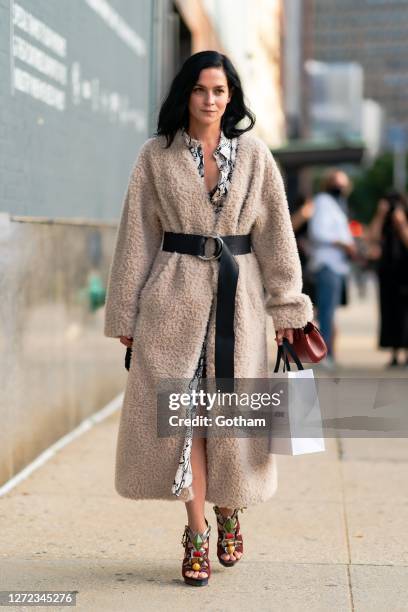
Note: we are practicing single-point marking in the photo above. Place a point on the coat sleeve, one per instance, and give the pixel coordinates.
(138, 239)
(275, 247)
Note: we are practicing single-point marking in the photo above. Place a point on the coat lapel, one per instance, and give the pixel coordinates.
(196, 204)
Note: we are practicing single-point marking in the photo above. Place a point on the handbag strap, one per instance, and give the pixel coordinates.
(283, 350)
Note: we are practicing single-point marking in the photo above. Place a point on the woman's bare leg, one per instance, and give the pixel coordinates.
(195, 507)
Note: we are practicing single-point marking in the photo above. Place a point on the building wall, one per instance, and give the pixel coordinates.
(56, 367)
(203, 30)
(292, 66)
(250, 34)
(75, 107)
(74, 103)
(265, 82)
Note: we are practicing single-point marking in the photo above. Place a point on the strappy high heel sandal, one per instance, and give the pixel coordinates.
(196, 549)
(229, 536)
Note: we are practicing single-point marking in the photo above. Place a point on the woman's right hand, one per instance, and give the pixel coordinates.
(308, 209)
(126, 340)
(348, 247)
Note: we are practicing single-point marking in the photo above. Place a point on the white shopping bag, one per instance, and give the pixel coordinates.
(296, 425)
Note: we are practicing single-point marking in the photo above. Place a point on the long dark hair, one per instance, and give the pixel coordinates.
(174, 113)
(395, 197)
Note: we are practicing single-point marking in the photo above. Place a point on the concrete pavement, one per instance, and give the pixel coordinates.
(334, 537)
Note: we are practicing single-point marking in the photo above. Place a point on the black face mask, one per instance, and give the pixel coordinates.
(336, 192)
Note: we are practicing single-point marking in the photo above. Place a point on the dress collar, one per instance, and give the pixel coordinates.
(223, 146)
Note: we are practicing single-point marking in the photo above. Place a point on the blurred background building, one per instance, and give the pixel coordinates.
(373, 33)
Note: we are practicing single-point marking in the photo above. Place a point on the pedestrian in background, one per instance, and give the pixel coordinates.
(332, 247)
(388, 235)
(303, 208)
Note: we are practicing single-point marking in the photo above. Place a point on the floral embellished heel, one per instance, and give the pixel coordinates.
(196, 562)
(229, 536)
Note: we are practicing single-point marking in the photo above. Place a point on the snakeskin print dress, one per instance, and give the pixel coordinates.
(225, 155)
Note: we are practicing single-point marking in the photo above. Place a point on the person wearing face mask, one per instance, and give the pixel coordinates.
(332, 247)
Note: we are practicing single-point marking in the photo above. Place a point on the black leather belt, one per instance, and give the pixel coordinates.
(225, 249)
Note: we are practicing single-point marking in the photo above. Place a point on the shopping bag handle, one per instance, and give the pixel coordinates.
(283, 349)
(281, 356)
(128, 357)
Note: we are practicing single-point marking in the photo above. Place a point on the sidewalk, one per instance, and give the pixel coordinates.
(334, 537)
(358, 331)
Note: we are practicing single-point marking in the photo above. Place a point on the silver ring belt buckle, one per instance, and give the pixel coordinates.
(218, 250)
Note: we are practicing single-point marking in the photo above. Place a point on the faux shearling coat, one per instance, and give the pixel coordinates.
(163, 300)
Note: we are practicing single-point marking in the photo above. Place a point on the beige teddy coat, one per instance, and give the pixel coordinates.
(163, 300)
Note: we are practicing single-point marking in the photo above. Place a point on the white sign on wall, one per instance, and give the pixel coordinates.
(37, 49)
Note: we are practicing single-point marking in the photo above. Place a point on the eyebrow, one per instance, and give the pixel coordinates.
(204, 87)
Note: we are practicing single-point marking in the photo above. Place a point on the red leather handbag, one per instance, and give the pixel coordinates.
(309, 344)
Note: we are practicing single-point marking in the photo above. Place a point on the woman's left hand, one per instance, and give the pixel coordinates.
(287, 333)
(398, 217)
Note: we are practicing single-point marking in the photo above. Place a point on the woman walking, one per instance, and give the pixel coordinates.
(193, 306)
(388, 232)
